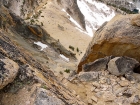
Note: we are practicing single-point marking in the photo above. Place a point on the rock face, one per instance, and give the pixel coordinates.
(8, 71)
(117, 37)
(122, 65)
(72, 9)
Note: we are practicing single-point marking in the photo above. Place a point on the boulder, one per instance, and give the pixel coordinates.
(118, 37)
(121, 65)
(97, 65)
(88, 76)
(8, 71)
(44, 97)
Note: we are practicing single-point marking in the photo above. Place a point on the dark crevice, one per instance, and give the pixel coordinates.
(137, 69)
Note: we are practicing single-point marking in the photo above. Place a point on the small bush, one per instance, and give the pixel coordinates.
(77, 49)
(67, 71)
(41, 24)
(61, 72)
(71, 47)
(44, 86)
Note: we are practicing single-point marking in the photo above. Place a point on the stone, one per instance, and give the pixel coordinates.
(108, 96)
(44, 97)
(97, 65)
(88, 76)
(8, 71)
(120, 91)
(93, 88)
(135, 99)
(119, 66)
(95, 99)
(124, 83)
(118, 37)
(96, 84)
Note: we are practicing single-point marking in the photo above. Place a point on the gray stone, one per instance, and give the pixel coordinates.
(122, 65)
(44, 97)
(97, 65)
(88, 76)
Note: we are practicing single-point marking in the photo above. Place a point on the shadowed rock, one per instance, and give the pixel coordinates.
(119, 66)
(97, 65)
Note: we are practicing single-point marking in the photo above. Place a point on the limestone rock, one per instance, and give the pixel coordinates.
(8, 71)
(121, 65)
(118, 37)
(97, 65)
(88, 76)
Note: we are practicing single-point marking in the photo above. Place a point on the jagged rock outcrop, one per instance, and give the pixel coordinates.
(117, 37)
(22, 8)
(73, 10)
(29, 72)
(25, 70)
(34, 33)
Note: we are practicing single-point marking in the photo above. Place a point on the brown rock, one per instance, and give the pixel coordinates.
(8, 71)
(117, 37)
(136, 20)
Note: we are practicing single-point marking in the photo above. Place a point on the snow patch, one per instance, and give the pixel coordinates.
(62, 56)
(41, 45)
(96, 13)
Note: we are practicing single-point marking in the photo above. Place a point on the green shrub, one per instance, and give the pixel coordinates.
(41, 24)
(67, 71)
(77, 49)
(71, 47)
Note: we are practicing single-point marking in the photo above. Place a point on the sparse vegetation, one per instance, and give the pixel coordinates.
(67, 71)
(71, 47)
(41, 24)
(44, 86)
(77, 49)
(61, 72)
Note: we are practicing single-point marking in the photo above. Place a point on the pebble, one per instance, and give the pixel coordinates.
(124, 83)
(94, 99)
(93, 88)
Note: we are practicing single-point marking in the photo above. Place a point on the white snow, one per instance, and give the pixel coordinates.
(62, 56)
(41, 45)
(96, 13)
